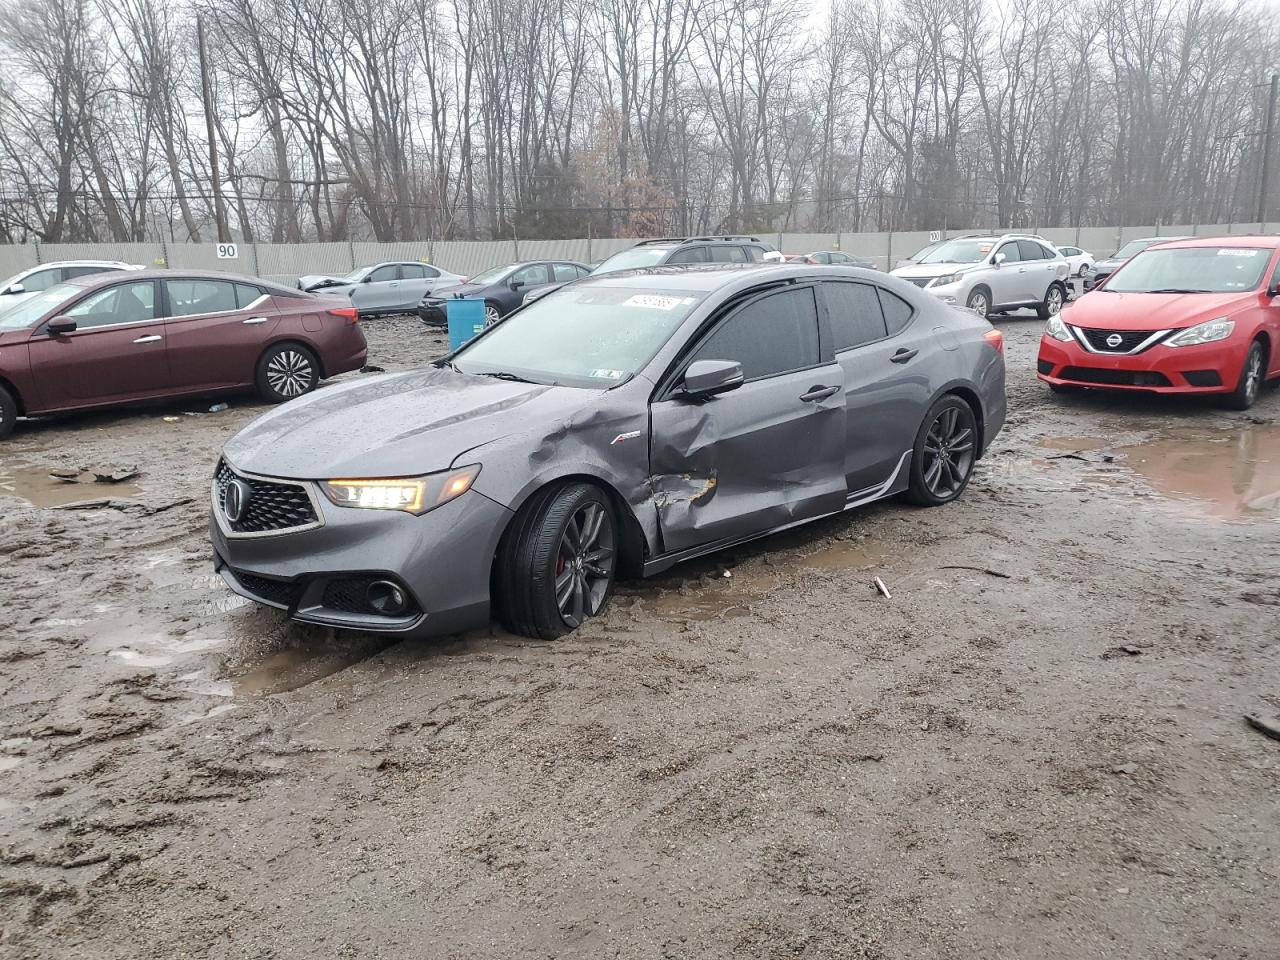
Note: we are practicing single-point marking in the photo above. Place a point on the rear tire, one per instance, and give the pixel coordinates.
(8, 413)
(1246, 392)
(286, 371)
(945, 451)
(1054, 298)
(492, 314)
(557, 562)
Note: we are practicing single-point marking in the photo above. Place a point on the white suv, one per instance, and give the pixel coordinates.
(993, 274)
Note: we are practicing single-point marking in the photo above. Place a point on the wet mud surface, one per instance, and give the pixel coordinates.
(1034, 749)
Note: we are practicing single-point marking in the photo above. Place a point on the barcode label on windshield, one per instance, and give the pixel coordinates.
(656, 301)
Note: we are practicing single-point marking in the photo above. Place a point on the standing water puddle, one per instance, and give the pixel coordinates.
(35, 485)
(1230, 475)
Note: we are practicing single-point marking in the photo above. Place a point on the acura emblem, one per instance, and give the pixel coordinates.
(1114, 340)
(235, 500)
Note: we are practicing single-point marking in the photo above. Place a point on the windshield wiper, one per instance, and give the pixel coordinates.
(504, 375)
(1177, 290)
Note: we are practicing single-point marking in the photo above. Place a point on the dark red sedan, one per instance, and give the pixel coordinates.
(114, 338)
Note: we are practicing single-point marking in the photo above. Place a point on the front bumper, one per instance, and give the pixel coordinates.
(442, 559)
(432, 313)
(1207, 368)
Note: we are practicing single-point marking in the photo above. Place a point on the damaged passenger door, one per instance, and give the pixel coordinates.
(731, 460)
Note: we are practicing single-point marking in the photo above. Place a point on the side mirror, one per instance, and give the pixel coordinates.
(516, 284)
(998, 259)
(1274, 289)
(60, 325)
(706, 378)
(14, 288)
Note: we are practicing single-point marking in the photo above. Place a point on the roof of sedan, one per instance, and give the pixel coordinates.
(1269, 240)
(166, 273)
(704, 278)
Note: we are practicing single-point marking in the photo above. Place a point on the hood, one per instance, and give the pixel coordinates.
(397, 425)
(446, 291)
(930, 270)
(1107, 264)
(318, 281)
(1152, 311)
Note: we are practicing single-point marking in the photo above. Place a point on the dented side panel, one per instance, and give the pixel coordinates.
(747, 460)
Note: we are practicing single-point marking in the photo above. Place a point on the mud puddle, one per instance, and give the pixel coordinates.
(38, 487)
(1226, 475)
(293, 668)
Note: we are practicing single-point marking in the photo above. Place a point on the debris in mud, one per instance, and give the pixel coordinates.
(987, 570)
(882, 588)
(1125, 650)
(372, 368)
(95, 475)
(1268, 726)
(1084, 456)
(1127, 769)
(219, 407)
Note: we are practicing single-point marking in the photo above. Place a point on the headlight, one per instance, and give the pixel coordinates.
(1058, 330)
(414, 495)
(949, 278)
(1206, 332)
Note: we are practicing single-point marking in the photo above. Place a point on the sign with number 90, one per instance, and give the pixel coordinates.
(228, 251)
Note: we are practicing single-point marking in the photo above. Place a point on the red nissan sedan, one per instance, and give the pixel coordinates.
(114, 338)
(1189, 316)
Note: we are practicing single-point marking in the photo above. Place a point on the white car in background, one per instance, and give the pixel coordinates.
(43, 276)
(1079, 260)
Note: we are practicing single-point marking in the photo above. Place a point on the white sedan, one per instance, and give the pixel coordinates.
(1077, 258)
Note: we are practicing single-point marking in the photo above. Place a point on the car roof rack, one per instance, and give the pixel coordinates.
(692, 239)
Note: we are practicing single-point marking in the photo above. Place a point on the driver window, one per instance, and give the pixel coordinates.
(382, 274)
(123, 303)
(533, 274)
(775, 334)
(1010, 251)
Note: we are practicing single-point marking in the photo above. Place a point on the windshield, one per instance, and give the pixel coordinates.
(355, 276)
(959, 251)
(31, 309)
(630, 259)
(1191, 270)
(492, 275)
(580, 336)
(1132, 248)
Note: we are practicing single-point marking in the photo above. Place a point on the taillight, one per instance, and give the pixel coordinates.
(350, 314)
(996, 339)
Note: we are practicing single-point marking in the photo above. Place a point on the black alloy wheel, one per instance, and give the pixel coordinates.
(945, 452)
(556, 566)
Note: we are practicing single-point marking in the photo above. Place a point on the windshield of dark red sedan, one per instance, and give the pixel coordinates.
(30, 309)
(588, 336)
(1192, 270)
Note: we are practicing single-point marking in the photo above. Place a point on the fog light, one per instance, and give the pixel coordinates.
(387, 598)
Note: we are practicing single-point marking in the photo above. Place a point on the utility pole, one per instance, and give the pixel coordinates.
(206, 87)
(1268, 135)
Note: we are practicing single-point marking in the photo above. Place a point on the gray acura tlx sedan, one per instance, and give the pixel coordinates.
(617, 426)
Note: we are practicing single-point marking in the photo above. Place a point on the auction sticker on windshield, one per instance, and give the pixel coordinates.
(655, 301)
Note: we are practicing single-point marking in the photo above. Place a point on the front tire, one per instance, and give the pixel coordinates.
(1250, 383)
(491, 314)
(8, 413)
(286, 371)
(980, 302)
(556, 566)
(945, 451)
(1054, 298)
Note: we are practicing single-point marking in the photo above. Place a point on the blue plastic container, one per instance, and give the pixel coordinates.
(465, 316)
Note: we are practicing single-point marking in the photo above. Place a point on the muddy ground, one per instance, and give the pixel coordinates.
(1033, 750)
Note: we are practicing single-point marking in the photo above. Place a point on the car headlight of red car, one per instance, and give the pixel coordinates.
(1058, 330)
(414, 495)
(1207, 332)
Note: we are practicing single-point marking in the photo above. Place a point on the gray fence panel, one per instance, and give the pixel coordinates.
(554, 250)
(204, 256)
(604, 247)
(1099, 241)
(1059, 236)
(808, 242)
(1179, 229)
(367, 253)
(1238, 228)
(285, 262)
(874, 245)
(905, 244)
(145, 254)
(16, 257)
(471, 257)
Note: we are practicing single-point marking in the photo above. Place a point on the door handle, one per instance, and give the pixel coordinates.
(252, 320)
(903, 355)
(1022, 269)
(818, 392)
(151, 339)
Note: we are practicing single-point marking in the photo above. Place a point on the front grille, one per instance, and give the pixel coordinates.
(349, 596)
(1129, 339)
(272, 505)
(280, 592)
(921, 281)
(1116, 378)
